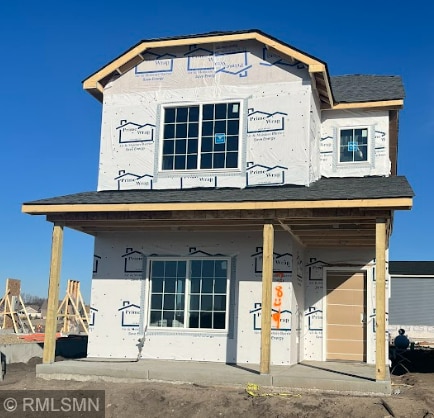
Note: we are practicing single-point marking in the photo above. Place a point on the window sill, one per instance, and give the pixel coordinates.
(350, 164)
(199, 173)
(188, 330)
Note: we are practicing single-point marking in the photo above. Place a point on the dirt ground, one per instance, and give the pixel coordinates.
(413, 396)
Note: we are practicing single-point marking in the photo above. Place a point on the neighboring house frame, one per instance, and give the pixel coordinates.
(329, 213)
(411, 296)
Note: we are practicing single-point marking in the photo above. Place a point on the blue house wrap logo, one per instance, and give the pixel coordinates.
(131, 132)
(314, 319)
(259, 174)
(96, 261)
(131, 181)
(231, 63)
(271, 58)
(326, 145)
(155, 63)
(130, 315)
(92, 316)
(380, 140)
(133, 261)
(316, 269)
(260, 121)
(285, 317)
(189, 182)
(282, 263)
(199, 59)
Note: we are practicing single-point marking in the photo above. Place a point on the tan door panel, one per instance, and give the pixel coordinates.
(345, 357)
(347, 297)
(344, 347)
(346, 314)
(339, 332)
(342, 281)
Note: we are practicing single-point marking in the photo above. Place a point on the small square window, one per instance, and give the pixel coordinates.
(353, 145)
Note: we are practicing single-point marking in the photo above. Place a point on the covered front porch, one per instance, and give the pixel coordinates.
(348, 213)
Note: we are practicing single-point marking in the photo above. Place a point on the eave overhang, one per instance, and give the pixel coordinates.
(311, 223)
(403, 203)
(383, 104)
(330, 212)
(96, 82)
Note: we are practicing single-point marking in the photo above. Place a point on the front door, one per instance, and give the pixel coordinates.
(346, 316)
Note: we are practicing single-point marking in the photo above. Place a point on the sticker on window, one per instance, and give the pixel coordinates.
(219, 138)
(353, 146)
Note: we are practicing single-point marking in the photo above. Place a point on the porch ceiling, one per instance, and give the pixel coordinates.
(310, 227)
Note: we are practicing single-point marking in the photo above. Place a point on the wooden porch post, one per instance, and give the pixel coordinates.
(267, 283)
(380, 299)
(53, 295)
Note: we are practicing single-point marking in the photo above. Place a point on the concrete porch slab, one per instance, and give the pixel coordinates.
(324, 376)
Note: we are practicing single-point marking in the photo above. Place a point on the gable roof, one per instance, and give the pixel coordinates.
(324, 84)
(411, 268)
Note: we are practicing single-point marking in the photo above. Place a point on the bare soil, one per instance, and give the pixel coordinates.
(413, 396)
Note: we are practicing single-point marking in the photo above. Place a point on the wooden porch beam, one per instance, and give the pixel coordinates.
(291, 216)
(380, 299)
(267, 284)
(53, 295)
(375, 204)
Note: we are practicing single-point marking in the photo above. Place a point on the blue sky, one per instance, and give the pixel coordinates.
(50, 127)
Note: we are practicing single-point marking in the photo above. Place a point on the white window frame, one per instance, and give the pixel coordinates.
(187, 294)
(368, 150)
(199, 170)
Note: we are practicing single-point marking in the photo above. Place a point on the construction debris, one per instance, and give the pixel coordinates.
(73, 310)
(15, 315)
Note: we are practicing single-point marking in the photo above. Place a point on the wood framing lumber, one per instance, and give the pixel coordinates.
(267, 283)
(395, 203)
(380, 300)
(53, 295)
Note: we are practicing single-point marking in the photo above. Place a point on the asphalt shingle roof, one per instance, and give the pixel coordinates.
(323, 189)
(409, 268)
(366, 88)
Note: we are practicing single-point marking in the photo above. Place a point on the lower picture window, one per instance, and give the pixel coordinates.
(189, 293)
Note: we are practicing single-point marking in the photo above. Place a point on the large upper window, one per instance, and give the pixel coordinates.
(201, 137)
(189, 293)
(353, 145)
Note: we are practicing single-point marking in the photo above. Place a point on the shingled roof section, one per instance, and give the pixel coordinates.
(412, 268)
(366, 88)
(323, 189)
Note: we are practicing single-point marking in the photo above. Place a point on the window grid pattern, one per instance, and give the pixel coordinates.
(201, 137)
(353, 145)
(207, 308)
(168, 293)
(220, 130)
(193, 300)
(180, 138)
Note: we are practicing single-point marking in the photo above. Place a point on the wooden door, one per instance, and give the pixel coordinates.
(346, 316)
